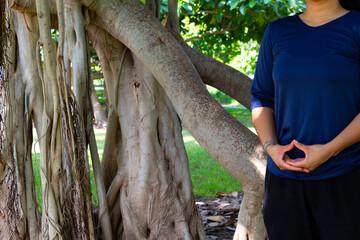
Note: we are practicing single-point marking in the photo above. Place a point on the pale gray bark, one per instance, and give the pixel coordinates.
(150, 81)
(222, 136)
(77, 52)
(99, 115)
(173, 19)
(19, 212)
(150, 145)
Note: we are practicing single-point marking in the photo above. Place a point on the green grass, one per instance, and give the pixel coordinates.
(208, 177)
(36, 168)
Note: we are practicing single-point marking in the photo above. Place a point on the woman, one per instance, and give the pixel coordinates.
(305, 109)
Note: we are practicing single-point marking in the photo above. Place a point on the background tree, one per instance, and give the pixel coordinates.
(153, 77)
(216, 27)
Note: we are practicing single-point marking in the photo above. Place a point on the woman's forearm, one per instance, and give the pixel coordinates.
(349, 136)
(264, 123)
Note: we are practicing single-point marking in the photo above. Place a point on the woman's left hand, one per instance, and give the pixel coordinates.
(315, 155)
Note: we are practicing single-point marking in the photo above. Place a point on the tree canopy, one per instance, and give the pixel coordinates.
(215, 27)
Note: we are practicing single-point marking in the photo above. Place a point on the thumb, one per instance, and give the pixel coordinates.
(299, 145)
(289, 146)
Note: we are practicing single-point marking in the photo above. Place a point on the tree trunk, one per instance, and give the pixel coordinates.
(153, 179)
(99, 115)
(143, 183)
(222, 136)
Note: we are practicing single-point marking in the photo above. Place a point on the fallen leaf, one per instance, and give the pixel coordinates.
(216, 218)
(222, 205)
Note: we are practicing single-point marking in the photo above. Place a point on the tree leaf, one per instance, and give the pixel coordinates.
(233, 4)
(221, 3)
(252, 3)
(242, 9)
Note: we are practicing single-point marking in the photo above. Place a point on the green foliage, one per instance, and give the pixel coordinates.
(234, 21)
(245, 62)
(217, 27)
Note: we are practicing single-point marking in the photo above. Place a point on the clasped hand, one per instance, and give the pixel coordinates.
(315, 155)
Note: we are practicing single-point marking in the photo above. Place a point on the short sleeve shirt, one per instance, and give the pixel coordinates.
(310, 77)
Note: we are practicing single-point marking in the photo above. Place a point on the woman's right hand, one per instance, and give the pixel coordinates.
(279, 156)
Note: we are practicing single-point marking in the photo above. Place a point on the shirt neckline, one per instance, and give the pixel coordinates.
(323, 25)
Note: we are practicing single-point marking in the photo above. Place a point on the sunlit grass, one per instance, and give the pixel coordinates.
(208, 177)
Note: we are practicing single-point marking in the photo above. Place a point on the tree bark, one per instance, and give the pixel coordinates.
(155, 181)
(77, 52)
(150, 81)
(222, 136)
(219, 75)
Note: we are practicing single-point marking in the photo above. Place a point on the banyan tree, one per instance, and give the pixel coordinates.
(155, 85)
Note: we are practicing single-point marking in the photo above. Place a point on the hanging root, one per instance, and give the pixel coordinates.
(76, 216)
(114, 188)
(2, 36)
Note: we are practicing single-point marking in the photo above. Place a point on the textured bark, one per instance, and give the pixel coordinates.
(153, 179)
(143, 184)
(78, 56)
(222, 136)
(173, 20)
(19, 211)
(32, 95)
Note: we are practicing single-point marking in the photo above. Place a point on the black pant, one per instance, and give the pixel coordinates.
(313, 210)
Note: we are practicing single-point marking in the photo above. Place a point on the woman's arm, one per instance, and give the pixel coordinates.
(317, 154)
(264, 123)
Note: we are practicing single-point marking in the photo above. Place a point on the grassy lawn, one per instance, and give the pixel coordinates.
(207, 176)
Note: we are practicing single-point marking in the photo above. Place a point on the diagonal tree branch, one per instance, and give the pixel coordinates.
(219, 75)
(167, 61)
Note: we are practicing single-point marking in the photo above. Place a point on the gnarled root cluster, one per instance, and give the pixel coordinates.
(153, 80)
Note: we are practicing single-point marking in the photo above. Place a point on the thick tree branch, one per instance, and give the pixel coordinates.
(219, 75)
(229, 142)
(131, 23)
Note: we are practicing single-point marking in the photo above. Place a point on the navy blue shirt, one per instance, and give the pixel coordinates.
(310, 76)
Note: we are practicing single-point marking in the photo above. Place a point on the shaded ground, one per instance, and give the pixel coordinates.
(219, 215)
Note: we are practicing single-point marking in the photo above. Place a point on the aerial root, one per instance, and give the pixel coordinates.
(115, 188)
